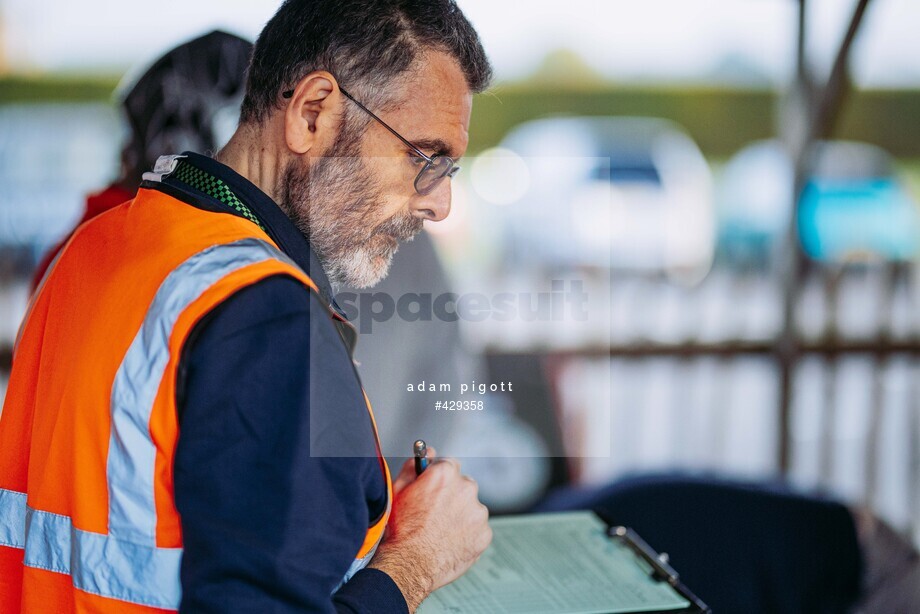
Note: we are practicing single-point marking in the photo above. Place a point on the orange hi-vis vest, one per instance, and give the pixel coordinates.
(89, 428)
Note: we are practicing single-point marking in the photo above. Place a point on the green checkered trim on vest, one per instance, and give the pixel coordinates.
(213, 187)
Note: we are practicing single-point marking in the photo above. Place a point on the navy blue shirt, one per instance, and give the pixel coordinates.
(276, 472)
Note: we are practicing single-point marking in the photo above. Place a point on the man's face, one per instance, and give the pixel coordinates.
(358, 200)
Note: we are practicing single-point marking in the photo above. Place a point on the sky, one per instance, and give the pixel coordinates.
(624, 40)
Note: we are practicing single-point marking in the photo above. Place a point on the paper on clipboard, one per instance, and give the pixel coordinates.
(561, 563)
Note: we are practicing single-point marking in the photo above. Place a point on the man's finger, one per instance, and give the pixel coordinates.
(407, 471)
(448, 460)
(405, 477)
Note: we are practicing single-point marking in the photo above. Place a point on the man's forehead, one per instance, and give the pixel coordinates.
(436, 106)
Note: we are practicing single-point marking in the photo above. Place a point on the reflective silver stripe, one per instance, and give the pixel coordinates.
(360, 563)
(99, 564)
(12, 518)
(132, 453)
(356, 566)
(102, 564)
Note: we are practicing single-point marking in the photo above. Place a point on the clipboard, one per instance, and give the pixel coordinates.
(565, 562)
(661, 569)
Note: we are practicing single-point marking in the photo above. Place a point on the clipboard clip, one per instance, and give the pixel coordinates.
(661, 569)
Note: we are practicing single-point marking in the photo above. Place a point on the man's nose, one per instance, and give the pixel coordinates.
(436, 205)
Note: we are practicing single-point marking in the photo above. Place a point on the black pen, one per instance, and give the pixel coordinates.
(421, 456)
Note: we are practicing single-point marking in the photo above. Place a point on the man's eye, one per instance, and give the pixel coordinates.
(417, 160)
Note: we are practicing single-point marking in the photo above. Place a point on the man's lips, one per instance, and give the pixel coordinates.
(394, 239)
(391, 234)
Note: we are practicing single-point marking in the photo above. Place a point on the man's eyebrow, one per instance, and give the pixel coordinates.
(440, 147)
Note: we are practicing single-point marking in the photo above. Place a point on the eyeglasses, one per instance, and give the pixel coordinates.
(436, 168)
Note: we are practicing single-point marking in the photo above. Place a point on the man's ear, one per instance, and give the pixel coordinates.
(309, 118)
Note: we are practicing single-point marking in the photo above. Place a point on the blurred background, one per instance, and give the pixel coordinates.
(733, 184)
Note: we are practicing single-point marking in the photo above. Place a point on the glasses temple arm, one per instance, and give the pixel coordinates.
(384, 124)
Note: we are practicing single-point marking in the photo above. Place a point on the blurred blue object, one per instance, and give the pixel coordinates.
(614, 193)
(849, 220)
(852, 207)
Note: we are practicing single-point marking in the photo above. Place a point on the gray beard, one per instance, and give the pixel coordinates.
(332, 203)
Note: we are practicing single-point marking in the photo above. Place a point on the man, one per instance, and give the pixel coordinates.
(187, 426)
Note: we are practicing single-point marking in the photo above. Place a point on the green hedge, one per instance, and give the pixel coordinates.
(720, 119)
(56, 88)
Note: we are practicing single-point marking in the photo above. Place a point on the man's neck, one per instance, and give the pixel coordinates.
(247, 156)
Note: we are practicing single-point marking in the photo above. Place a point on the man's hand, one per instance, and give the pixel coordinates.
(437, 530)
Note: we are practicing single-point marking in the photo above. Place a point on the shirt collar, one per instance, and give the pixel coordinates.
(276, 223)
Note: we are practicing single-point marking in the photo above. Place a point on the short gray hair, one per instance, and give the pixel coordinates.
(366, 44)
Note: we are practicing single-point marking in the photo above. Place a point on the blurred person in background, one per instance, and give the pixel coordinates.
(761, 548)
(188, 99)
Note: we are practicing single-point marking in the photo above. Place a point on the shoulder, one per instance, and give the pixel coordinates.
(279, 303)
(264, 303)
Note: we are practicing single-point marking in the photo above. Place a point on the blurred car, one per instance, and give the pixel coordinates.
(620, 193)
(852, 206)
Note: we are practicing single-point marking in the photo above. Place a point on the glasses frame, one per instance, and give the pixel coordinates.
(430, 161)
